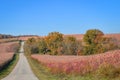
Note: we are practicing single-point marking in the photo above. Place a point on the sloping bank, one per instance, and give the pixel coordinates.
(100, 65)
(8, 57)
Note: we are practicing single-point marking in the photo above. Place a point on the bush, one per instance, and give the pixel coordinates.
(109, 43)
(31, 46)
(108, 70)
(34, 49)
(71, 46)
(42, 46)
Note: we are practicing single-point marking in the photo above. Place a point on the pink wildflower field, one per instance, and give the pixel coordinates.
(78, 64)
(6, 52)
(5, 58)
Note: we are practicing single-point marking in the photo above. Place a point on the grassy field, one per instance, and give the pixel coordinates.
(44, 74)
(9, 67)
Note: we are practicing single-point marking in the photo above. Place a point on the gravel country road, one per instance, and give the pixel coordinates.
(22, 70)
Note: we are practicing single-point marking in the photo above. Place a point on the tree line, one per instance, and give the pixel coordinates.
(4, 36)
(56, 43)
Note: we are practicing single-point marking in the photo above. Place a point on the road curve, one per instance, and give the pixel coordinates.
(22, 70)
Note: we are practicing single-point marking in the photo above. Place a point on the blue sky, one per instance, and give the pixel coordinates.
(39, 17)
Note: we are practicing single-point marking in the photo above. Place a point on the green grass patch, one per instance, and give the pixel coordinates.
(7, 69)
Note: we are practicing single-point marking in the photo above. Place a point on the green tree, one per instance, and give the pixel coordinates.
(93, 36)
(92, 40)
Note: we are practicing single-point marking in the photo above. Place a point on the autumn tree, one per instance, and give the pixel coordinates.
(53, 41)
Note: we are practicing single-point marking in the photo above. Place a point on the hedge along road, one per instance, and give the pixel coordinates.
(22, 70)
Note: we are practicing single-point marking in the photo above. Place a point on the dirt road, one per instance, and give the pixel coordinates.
(22, 70)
